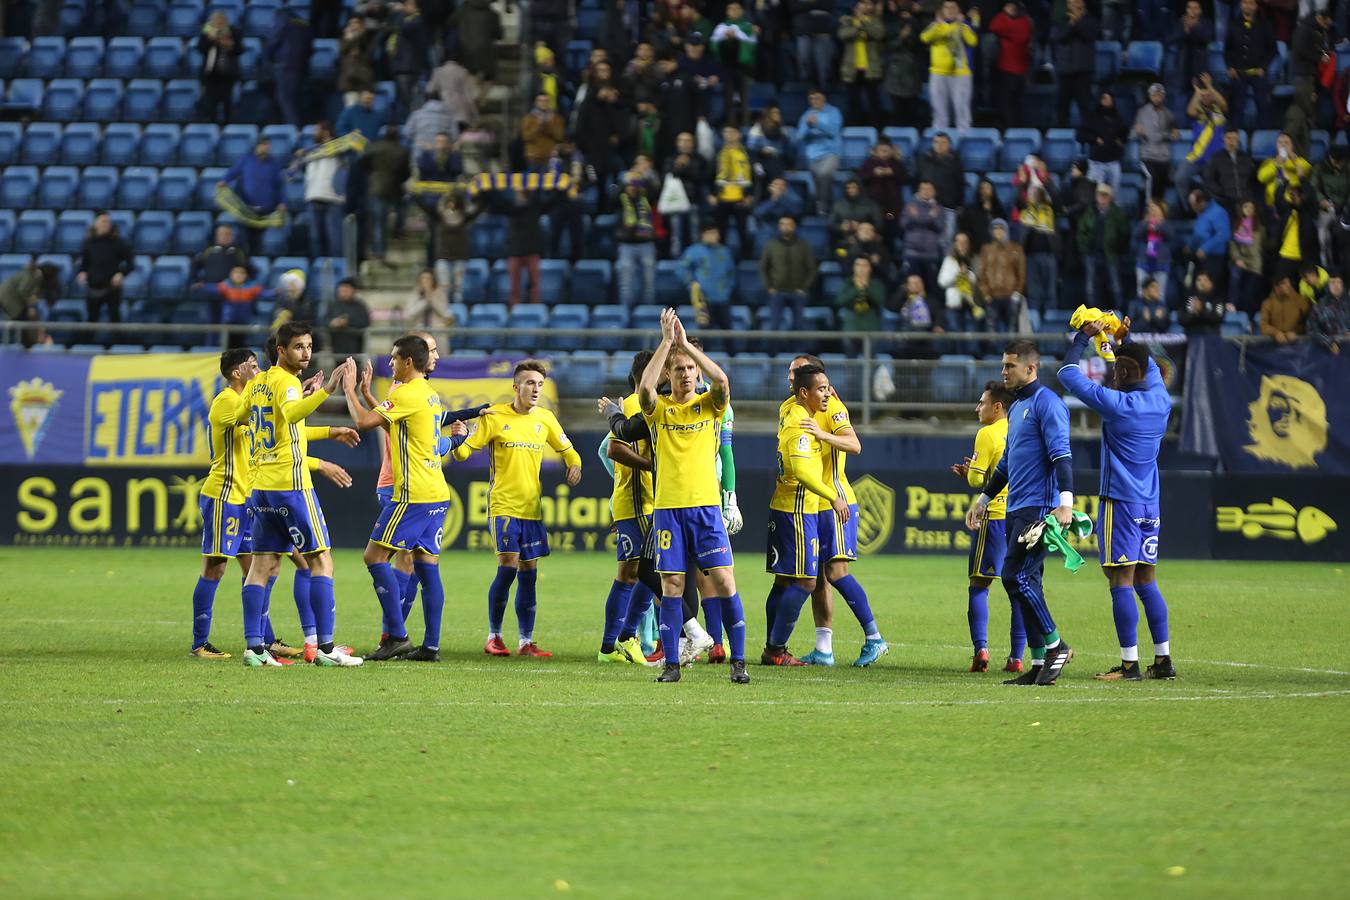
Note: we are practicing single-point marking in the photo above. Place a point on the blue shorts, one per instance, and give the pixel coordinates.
(411, 526)
(794, 544)
(385, 495)
(838, 541)
(988, 546)
(1127, 533)
(631, 537)
(286, 519)
(692, 537)
(224, 526)
(524, 536)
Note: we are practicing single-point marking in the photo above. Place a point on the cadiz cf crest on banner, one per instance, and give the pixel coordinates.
(876, 514)
(1287, 423)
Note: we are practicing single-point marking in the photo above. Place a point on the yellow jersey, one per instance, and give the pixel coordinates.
(800, 483)
(227, 433)
(632, 487)
(517, 441)
(413, 411)
(834, 419)
(686, 438)
(278, 437)
(989, 443)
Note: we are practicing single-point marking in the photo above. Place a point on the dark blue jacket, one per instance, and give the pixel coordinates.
(258, 182)
(1038, 439)
(370, 122)
(411, 43)
(288, 45)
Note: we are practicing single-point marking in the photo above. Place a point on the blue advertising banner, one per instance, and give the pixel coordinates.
(1270, 410)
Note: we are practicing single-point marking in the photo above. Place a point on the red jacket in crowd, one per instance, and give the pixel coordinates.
(1014, 43)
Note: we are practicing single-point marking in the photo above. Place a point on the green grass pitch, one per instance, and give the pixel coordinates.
(128, 768)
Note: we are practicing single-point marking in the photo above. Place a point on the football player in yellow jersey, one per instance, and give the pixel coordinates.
(285, 512)
(415, 518)
(794, 544)
(687, 520)
(838, 539)
(990, 541)
(515, 434)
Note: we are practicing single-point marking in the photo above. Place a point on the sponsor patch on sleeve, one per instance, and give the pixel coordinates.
(804, 443)
(839, 417)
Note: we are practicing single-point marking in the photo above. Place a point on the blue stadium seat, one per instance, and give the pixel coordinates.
(125, 349)
(1318, 146)
(181, 98)
(68, 310)
(236, 141)
(103, 100)
(487, 236)
(169, 278)
(71, 227)
(84, 57)
(175, 189)
(951, 377)
(13, 56)
(79, 144)
(577, 55)
(25, 93)
(144, 20)
(18, 187)
(475, 281)
(11, 263)
(123, 58)
(1263, 144)
(670, 289)
(979, 149)
(86, 349)
(154, 232)
(323, 59)
(184, 20)
(529, 315)
(121, 144)
(33, 231)
(40, 143)
(1107, 61)
(1145, 58)
(45, 56)
(11, 138)
(749, 286)
(136, 187)
(159, 144)
(565, 315)
(58, 186)
(804, 185)
(858, 144)
(7, 223)
(98, 185)
(1017, 143)
(816, 318)
(829, 277)
(63, 98)
(485, 315)
(163, 58)
(553, 280)
(588, 24)
(197, 146)
(142, 100)
(124, 220)
(646, 317)
(600, 238)
(204, 195)
(1003, 187)
(284, 138)
(904, 137)
(607, 318)
(750, 373)
(585, 371)
(591, 279)
(258, 19)
(815, 230)
(1060, 149)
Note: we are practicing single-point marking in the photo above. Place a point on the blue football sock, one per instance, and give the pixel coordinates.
(638, 603)
(203, 598)
(616, 610)
(672, 622)
(324, 604)
(771, 610)
(526, 603)
(856, 598)
(390, 599)
(498, 594)
(733, 614)
(977, 614)
(790, 606)
(712, 615)
(253, 605)
(433, 602)
(407, 581)
(268, 634)
(1017, 632)
(1126, 615)
(300, 594)
(1155, 610)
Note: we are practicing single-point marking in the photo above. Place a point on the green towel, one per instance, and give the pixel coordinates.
(1058, 539)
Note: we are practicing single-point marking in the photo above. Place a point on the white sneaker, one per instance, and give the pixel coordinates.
(256, 660)
(691, 650)
(339, 657)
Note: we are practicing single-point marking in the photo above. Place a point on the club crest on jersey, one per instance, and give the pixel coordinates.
(698, 409)
(538, 428)
(876, 513)
(1024, 413)
(32, 404)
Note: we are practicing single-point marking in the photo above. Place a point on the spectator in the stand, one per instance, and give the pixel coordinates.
(788, 269)
(1286, 169)
(645, 138)
(1041, 243)
(1189, 43)
(1202, 311)
(1310, 46)
(1152, 241)
(1103, 238)
(635, 238)
(550, 22)
(1208, 243)
(906, 56)
(213, 266)
(733, 189)
(1031, 174)
(287, 49)
(1075, 43)
(966, 309)
(1300, 118)
(439, 163)
(524, 242)
(409, 50)
(545, 80)
(922, 224)
(1077, 196)
(1206, 110)
(105, 260)
(21, 294)
(238, 297)
(1002, 271)
(1331, 181)
(601, 124)
(780, 200)
(428, 305)
(1105, 134)
(1149, 313)
(220, 45)
(736, 41)
(1246, 251)
(1284, 314)
(258, 180)
(691, 169)
(703, 70)
(942, 168)
(852, 208)
(859, 301)
(356, 63)
(1248, 52)
(616, 29)
(918, 313)
(642, 75)
(1230, 174)
(362, 117)
(813, 26)
(1312, 281)
(1156, 128)
(458, 90)
(451, 239)
(1330, 317)
(819, 133)
(679, 103)
(389, 165)
(884, 178)
(977, 217)
(1296, 232)
(866, 241)
(323, 198)
(1014, 30)
(479, 27)
(860, 36)
(949, 79)
(769, 145)
(709, 273)
(296, 303)
(541, 131)
(427, 121)
(350, 319)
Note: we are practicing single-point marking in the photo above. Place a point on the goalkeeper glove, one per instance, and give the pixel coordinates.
(731, 513)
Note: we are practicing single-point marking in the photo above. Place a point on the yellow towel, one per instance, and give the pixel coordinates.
(1102, 340)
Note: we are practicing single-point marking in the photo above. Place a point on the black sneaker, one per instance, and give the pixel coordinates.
(390, 649)
(1026, 678)
(1161, 669)
(422, 654)
(669, 674)
(738, 673)
(1055, 658)
(1126, 671)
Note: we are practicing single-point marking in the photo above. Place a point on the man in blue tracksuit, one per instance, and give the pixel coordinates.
(1037, 469)
(1134, 415)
